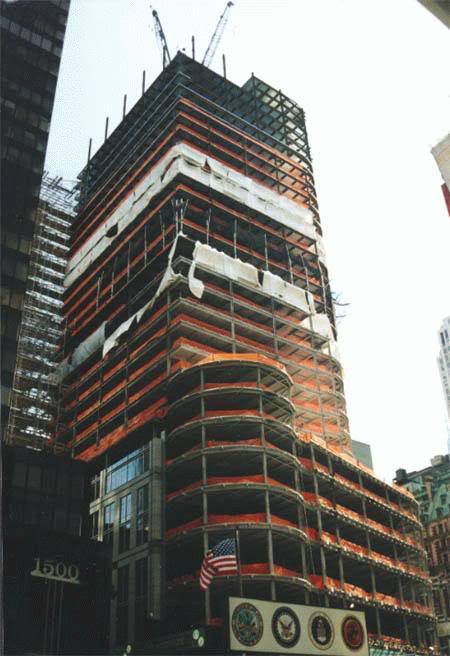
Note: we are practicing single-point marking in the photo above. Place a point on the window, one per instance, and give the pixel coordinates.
(108, 523)
(48, 481)
(95, 488)
(94, 525)
(31, 510)
(141, 587)
(46, 517)
(132, 465)
(76, 486)
(122, 604)
(34, 477)
(74, 524)
(60, 520)
(125, 523)
(142, 515)
(63, 482)
(19, 474)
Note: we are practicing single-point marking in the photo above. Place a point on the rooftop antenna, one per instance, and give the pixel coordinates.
(218, 32)
(161, 39)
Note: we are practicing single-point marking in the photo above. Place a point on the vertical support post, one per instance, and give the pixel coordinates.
(208, 223)
(378, 623)
(238, 554)
(193, 47)
(145, 245)
(124, 110)
(106, 127)
(233, 326)
(224, 64)
(405, 628)
(89, 150)
(143, 82)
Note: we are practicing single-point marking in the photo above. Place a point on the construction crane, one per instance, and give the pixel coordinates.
(161, 38)
(218, 32)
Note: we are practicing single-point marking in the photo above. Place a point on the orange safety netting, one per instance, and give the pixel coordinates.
(338, 450)
(313, 499)
(386, 599)
(152, 412)
(247, 569)
(354, 590)
(329, 538)
(346, 545)
(211, 414)
(199, 347)
(386, 638)
(228, 480)
(329, 583)
(256, 441)
(312, 533)
(249, 518)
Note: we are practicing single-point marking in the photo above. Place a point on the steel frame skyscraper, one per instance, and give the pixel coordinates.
(202, 379)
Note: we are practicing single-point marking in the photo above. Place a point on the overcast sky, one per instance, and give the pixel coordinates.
(373, 80)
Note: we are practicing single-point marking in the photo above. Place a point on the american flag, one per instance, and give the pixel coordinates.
(221, 558)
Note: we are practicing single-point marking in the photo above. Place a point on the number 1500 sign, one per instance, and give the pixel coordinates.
(51, 569)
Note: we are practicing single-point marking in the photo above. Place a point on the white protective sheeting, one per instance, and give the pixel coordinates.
(320, 324)
(334, 350)
(62, 370)
(113, 339)
(168, 278)
(209, 258)
(285, 291)
(191, 162)
(321, 250)
(80, 354)
(89, 345)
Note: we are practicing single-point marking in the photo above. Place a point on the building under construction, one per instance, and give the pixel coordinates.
(202, 379)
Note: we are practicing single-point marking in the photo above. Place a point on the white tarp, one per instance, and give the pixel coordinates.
(334, 349)
(233, 268)
(89, 345)
(168, 278)
(80, 354)
(113, 339)
(319, 323)
(191, 162)
(62, 370)
(285, 291)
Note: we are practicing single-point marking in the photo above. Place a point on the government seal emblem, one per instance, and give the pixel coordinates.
(247, 624)
(352, 632)
(285, 627)
(321, 631)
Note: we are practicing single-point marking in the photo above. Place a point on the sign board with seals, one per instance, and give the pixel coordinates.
(269, 626)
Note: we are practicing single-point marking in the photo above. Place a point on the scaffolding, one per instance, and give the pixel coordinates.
(35, 393)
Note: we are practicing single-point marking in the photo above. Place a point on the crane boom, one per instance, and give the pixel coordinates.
(161, 38)
(218, 32)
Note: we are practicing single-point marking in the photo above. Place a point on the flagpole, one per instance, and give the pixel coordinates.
(207, 591)
(238, 553)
